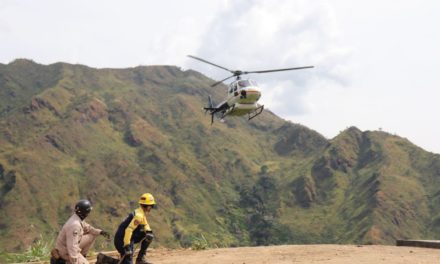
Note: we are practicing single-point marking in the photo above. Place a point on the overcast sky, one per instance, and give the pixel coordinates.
(375, 61)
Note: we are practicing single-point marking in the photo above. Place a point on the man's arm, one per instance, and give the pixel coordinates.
(88, 229)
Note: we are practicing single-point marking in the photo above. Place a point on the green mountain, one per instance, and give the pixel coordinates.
(69, 132)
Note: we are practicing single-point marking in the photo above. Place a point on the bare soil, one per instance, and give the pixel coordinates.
(341, 254)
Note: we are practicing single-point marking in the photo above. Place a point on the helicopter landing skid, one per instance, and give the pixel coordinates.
(256, 112)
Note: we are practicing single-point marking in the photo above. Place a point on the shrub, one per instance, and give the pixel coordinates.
(199, 243)
(39, 251)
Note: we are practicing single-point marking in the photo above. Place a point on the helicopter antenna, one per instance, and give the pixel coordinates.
(238, 73)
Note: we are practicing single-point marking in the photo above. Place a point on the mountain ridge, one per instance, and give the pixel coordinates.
(108, 135)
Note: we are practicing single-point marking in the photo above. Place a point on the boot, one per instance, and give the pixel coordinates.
(142, 255)
(104, 259)
(142, 259)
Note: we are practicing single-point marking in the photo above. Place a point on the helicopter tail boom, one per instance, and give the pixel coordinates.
(215, 110)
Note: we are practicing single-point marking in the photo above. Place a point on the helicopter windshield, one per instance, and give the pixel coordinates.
(244, 83)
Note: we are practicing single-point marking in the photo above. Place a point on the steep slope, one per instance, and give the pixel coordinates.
(110, 135)
(70, 132)
(368, 187)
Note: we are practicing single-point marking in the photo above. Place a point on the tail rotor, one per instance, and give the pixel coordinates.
(210, 108)
(211, 105)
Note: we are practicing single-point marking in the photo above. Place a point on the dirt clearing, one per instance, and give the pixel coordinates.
(341, 254)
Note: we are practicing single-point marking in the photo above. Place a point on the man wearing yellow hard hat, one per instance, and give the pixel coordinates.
(135, 229)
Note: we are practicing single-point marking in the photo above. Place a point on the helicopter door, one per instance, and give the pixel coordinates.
(231, 89)
(235, 88)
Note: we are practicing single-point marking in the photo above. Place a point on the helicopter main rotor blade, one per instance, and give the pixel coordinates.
(286, 69)
(219, 82)
(205, 61)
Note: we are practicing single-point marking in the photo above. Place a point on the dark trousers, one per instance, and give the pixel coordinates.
(119, 245)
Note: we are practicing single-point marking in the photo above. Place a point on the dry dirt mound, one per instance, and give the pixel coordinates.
(341, 254)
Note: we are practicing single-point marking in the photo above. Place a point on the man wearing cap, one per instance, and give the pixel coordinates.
(76, 237)
(135, 229)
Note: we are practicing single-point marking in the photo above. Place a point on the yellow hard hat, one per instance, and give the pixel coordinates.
(147, 199)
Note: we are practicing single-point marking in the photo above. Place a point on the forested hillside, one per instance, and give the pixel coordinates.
(69, 132)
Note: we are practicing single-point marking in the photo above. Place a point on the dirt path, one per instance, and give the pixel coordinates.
(340, 254)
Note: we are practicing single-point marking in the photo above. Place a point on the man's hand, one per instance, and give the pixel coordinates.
(127, 251)
(105, 234)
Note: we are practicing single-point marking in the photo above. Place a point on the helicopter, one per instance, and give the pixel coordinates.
(242, 94)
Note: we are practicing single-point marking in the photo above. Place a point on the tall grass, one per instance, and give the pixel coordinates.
(199, 243)
(39, 251)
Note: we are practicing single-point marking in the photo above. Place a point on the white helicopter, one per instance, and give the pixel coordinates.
(243, 95)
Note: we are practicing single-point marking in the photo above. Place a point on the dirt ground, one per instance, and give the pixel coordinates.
(341, 254)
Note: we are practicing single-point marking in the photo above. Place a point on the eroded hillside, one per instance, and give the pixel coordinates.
(70, 132)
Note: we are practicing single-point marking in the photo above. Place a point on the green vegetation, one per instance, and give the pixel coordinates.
(199, 243)
(38, 251)
(262, 203)
(69, 132)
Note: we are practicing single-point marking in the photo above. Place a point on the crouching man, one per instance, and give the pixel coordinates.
(76, 237)
(135, 229)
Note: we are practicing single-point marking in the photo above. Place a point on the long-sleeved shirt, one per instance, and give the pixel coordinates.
(136, 222)
(70, 236)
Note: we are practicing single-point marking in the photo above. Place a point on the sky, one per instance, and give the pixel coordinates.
(376, 62)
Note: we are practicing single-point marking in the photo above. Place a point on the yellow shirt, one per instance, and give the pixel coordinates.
(139, 219)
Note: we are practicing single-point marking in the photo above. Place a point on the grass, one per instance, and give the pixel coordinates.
(199, 243)
(39, 251)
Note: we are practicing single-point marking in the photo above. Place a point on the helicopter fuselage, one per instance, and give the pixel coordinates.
(242, 98)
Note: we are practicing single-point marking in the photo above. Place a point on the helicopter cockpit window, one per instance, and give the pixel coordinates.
(232, 87)
(244, 83)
